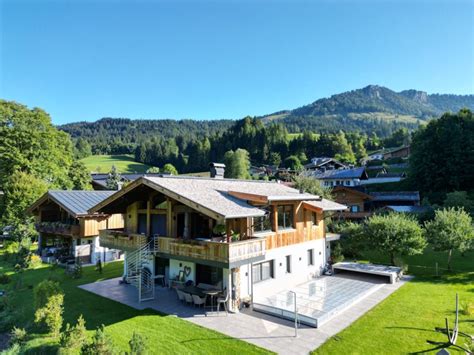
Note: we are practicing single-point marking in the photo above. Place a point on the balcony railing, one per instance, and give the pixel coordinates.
(120, 239)
(58, 228)
(212, 251)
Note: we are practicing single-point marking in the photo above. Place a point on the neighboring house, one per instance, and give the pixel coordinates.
(324, 163)
(406, 209)
(394, 198)
(357, 202)
(383, 178)
(68, 231)
(99, 181)
(341, 177)
(402, 152)
(244, 236)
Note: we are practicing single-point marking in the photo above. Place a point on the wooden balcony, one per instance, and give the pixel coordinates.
(120, 239)
(226, 253)
(58, 228)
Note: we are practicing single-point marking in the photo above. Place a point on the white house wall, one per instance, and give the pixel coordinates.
(300, 270)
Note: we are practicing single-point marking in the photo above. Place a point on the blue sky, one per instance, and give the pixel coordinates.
(83, 60)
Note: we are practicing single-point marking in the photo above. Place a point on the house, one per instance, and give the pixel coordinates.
(357, 201)
(406, 209)
(402, 152)
(324, 163)
(394, 198)
(68, 231)
(99, 181)
(341, 177)
(243, 236)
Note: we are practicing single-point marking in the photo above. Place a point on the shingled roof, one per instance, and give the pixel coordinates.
(396, 196)
(220, 198)
(355, 173)
(76, 202)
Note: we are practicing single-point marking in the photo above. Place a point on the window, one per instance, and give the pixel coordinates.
(310, 256)
(288, 264)
(348, 182)
(314, 218)
(354, 208)
(285, 216)
(262, 271)
(262, 224)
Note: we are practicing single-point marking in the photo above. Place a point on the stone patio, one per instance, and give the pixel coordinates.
(264, 330)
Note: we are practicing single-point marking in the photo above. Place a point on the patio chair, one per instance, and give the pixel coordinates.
(188, 298)
(223, 301)
(199, 301)
(180, 295)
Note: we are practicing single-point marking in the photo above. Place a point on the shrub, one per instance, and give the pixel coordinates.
(467, 308)
(52, 314)
(137, 344)
(34, 261)
(4, 279)
(336, 252)
(43, 291)
(74, 338)
(17, 335)
(101, 344)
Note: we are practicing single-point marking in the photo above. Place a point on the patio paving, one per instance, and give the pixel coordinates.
(264, 330)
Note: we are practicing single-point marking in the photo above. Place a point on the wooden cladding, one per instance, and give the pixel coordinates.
(119, 239)
(212, 251)
(90, 226)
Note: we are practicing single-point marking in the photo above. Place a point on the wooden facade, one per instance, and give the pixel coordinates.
(355, 200)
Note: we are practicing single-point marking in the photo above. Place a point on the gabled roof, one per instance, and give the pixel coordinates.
(76, 202)
(218, 198)
(396, 196)
(325, 205)
(318, 162)
(355, 173)
(391, 175)
(101, 179)
(352, 191)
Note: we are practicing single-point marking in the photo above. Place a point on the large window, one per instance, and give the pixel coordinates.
(262, 224)
(262, 271)
(285, 216)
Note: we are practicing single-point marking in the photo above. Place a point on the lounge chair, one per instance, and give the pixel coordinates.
(199, 301)
(223, 301)
(188, 298)
(180, 295)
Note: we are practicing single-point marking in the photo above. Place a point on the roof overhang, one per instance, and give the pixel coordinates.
(272, 198)
(323, 205)
(353, 191)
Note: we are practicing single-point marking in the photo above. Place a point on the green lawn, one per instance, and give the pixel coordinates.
(405, 321)
(165, 334)
(124, 164)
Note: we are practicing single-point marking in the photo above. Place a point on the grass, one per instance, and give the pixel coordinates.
(406, 320)
(124, 164)
(164, 334)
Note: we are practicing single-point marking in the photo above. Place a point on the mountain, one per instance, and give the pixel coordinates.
(367, 108)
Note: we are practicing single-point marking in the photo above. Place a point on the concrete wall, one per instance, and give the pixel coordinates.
(177, 265)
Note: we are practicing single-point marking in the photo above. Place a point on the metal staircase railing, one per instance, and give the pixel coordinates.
(137, 272)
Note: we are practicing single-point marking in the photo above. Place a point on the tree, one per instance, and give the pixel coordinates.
(153, 170)
(82, 148)
(398, 138)
(396, 234)
(440, 159)
(101, 344)
(73, 338)
(43, 291)
(274, 159)
(459, 199)
(21, 190)
(237, 164)
(137, 344)
(30, 144)
(451, 229)
(52, 314)
(114, 179)
(169, 168)
(79, 176)
(293, 163)
(311, 186)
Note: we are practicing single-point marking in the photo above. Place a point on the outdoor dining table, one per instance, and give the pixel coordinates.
(193, 290)
(211, 293)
